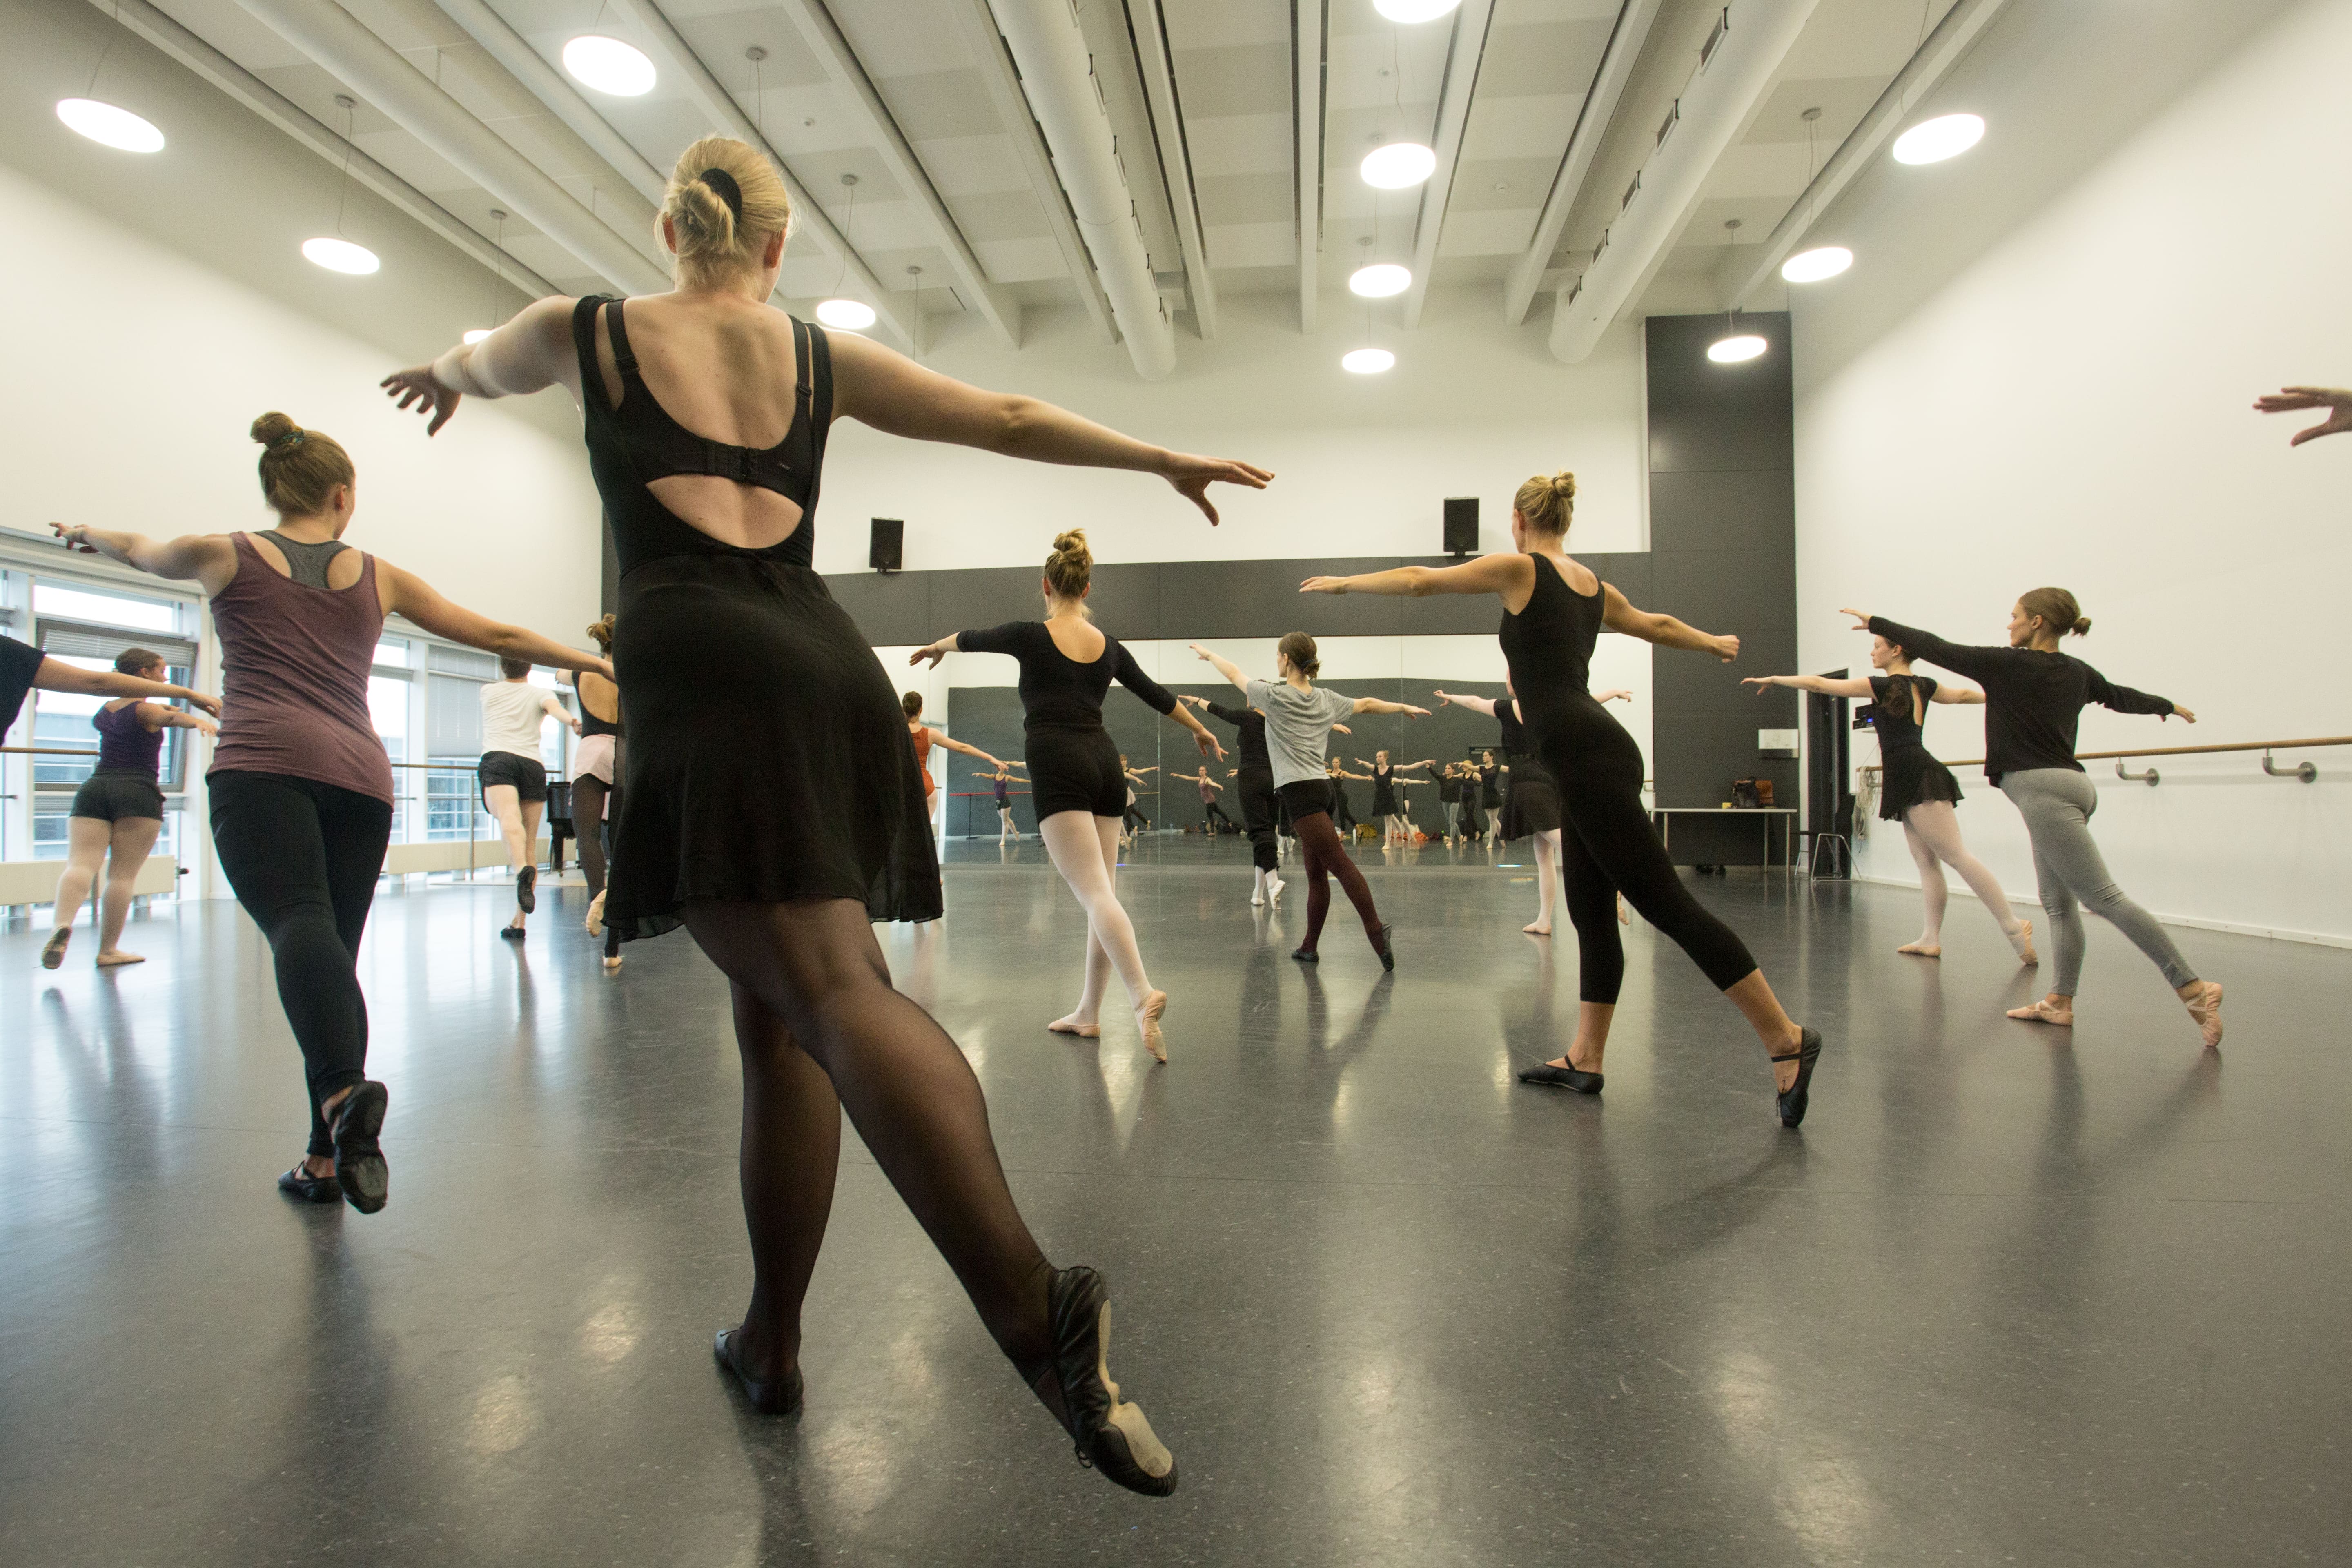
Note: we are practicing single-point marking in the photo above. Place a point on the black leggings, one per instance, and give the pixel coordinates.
(1254, 783)
(1610, 846)
(589, 793)
(303, 857)
(1318, 841)
(1213, 813)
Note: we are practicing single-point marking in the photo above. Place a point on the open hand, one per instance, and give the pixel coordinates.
(2335, 399)
(1208, 747)
(1324, 585)
(207, 701)
(1861, 620)
(415, 387)
(1762, 683)
(75, 536)
(1416, 712)
(934, 653)
(2181, 712)
(1192, 477)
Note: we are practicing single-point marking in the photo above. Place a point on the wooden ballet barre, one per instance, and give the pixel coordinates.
(2307, 772)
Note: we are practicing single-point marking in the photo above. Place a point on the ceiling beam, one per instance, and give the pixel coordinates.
(825, 39)
(1741, 275)
(1150, 31)
(1721, 96)
(297, 122)
(1307, 26)
(672, 50)
(1463, 56)
(349, 51)
(552, 88)
(1592, 121)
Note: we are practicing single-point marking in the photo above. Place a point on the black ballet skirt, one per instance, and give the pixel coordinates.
(1384, 800)
(1531, 799)
(768, 759)
(1909, 775)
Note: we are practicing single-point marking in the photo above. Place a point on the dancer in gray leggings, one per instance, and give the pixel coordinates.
(2034, 698)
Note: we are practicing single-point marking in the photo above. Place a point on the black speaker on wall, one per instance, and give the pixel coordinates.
(1461, 524)
(887, 550)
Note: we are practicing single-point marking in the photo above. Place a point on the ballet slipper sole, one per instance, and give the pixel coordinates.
(115, 960)
(2037, 1013)
(1916, 951)
(1536, 931)
(1125, 1446)
(1147, 1021)
(1083, 1031)
(54, 952)
(2208, 1014)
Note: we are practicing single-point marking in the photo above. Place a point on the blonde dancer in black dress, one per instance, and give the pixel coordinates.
(707, 416)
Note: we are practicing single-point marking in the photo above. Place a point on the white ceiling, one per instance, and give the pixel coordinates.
(1234, 68)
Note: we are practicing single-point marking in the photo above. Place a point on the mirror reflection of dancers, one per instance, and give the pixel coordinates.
(923, 737)
(1343, 810)
(118, 813)
(1132, 821)
(1917, 791)
(1067, 664)
(2034, 698)
(1211, 813)
(299, 786)
(596, 773)
(1003, 783)
(1299, 719)
(513, 780)
(722, 615)
(1386, 805)
(1531, 807)
(1553, 609)
(1252, 777)
(1449, 801)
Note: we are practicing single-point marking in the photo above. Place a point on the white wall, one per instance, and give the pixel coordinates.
(2039, 371)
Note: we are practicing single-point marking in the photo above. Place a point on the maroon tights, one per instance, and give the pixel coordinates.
(1319, 842)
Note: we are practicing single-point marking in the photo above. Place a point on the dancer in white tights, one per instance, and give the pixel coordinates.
(1917, 791)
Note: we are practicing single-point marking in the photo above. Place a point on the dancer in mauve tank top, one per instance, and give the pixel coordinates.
(776, 848)
(300, 788)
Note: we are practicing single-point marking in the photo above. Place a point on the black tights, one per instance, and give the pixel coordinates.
(822, 1031)
(303, 857)
(588, 797)
(1255, 784)
(1213, 813)
(1319, 842)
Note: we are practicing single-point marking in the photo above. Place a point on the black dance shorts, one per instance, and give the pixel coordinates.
(1306, 797)
(1075, 770)
(528, 775)
(111, 797)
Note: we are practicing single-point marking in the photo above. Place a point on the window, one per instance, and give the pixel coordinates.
(106, 607)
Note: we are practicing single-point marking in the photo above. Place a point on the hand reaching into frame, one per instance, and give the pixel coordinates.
(415, 387)
(1192, 477)
(2336, 400)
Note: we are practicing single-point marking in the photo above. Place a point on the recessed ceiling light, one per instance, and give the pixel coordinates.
(109, 126)
(1367, 362)
(1398, 165)
(340, 255)
(609, 65)
(1731, 351)
(1414, 10)
(850, 315)
(1812, 266)
(1379, 281)
(1933, 140)
(477, 334)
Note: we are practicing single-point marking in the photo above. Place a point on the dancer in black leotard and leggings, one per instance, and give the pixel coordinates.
(1299, 719)
(776, 846)
(596, 773)
(1253, 782)
(1067, 664)
(1553, 610)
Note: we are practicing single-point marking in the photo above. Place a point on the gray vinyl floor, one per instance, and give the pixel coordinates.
(2009, 1296)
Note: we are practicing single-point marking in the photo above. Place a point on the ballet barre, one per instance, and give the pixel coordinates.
(2306, 772)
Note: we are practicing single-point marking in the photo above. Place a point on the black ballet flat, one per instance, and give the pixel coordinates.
(360, 1169)
(1076, 1385)
(1575, 1079)
(1387, 954)
(1305, 955)
(527, 889)
(511, 933)
(300, 1183)
(1792, 1103)
(776, 1396)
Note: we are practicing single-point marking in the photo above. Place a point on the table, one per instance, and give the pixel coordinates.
(1663, 817)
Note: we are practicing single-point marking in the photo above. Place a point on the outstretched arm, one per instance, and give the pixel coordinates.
(207, 559)
(154, 716)
(1959, 658)
(1225, 667)
(1827, 686)
(1486, 574)
(1475, 704)
(941, 737)
(557, 710)
(1377, 705)
(1618, 695)
(2336, 400)
(407, 593)
(1957, 694)
(57, 675)
(530, 352)
(1619, 615)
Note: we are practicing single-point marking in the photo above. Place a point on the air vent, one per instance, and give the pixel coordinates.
(1602, 247)
(1631, 192)
(1666, 126)
(1715, 38)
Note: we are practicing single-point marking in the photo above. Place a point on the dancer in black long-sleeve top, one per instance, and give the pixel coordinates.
(1553, 610)
(1253, 782)
(2034, 698)
(1077, 777)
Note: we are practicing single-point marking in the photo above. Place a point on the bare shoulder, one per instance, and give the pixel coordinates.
(1580, 576)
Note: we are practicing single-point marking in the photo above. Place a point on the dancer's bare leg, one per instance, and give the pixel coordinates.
(86, 841)
(1547, 882)
(132, 840)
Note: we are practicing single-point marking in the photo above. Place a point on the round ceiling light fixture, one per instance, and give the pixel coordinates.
(1399, 165)
(1414, 10)
(1933, 140)
(1367, 362)
(850, 315)
(1812, 266)
(1379, 281)
(608, 64)
(109, 126)
(1734, 349)
(340, 255)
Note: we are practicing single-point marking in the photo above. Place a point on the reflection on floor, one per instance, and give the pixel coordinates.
(2009, 1296)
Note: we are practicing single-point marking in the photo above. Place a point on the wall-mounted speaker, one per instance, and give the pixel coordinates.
(887, 552)
(1461, 524)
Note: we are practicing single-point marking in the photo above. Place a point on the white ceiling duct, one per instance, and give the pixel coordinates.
(332, 37)
(1058, 81)
(1754, 40)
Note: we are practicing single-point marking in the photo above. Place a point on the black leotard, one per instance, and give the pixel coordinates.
(1072, 762)
(768, 759)
(1909, 775)
(1610, 842)
(1384, 800)
(1251, 723)
(1531, 804)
